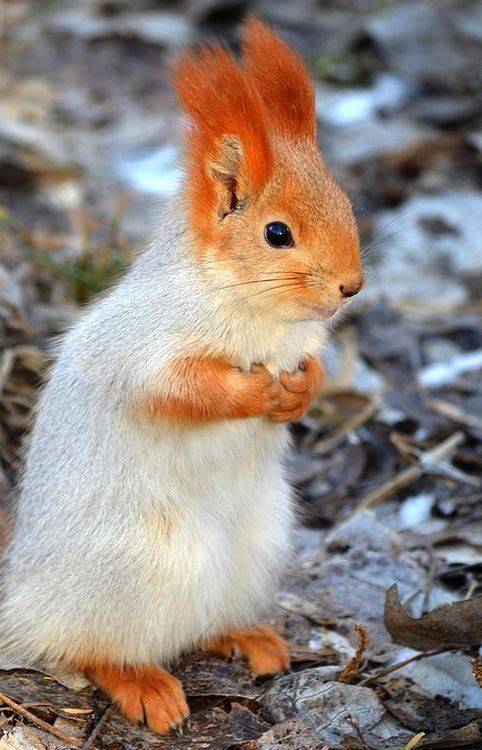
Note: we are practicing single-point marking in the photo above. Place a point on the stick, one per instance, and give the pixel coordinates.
(332, 441)
(400, 664)
(415, 741)
(88, 744)
(72, 741)
(451, 411)
(426, 460)
(352, 667)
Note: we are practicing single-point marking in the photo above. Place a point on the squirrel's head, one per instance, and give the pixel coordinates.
(272, 226)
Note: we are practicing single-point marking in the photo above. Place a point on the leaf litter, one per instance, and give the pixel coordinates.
(382, 601)
(456, 625)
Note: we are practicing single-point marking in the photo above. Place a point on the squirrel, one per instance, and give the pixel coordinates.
(154, 513)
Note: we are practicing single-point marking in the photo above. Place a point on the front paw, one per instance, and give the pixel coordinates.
(296, 391)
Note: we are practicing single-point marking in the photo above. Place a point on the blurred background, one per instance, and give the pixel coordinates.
(90, 147)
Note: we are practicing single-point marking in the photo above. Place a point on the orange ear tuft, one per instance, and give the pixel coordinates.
(228, 140)
(282, 80)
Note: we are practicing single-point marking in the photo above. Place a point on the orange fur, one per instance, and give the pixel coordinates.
(149, 694)
(212, 389)
(222, 103)
(265, 651)
(281, 78)
(304, 386)
(326, 255)
(253, 159)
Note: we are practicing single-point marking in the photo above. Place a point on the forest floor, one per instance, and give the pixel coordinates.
(388, 463)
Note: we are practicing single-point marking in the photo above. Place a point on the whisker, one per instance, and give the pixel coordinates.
(378, 248)
(210, 263)
(316, 272)
(311, 270)
(258, 281)
(273, 288)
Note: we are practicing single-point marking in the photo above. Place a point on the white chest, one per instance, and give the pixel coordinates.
(279, 348)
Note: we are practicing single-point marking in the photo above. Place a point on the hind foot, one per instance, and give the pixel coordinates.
(265, 651)
(148, 694)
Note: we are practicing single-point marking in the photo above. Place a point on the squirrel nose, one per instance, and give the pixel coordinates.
(350, 291)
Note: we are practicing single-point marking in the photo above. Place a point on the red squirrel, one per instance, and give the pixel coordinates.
(155, 514)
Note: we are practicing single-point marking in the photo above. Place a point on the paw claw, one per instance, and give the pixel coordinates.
(294, 392)
(149, 694)
(265, 651)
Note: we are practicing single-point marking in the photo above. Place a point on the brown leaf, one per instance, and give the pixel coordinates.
(204, 675)
(468, 736)
(210, 729)
(417, 710)
(458, 624)
(292, 734)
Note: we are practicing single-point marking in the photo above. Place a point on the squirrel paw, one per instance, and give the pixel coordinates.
(296, 391)
(265, 651)
(148, 694)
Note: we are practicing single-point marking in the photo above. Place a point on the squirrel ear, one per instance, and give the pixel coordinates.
(226, 169)
(282, 80)
(228, 146)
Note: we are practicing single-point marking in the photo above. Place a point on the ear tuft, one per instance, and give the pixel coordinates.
(226, 163)
(282, 81)
(228, 138)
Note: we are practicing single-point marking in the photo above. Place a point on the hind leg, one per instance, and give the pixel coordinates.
(148, 694)
(264, 649)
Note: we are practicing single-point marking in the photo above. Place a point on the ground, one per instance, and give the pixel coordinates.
(388, 462)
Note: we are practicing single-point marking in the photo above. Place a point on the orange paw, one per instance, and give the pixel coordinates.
(297, 391)
(265, 651)
(147, 694)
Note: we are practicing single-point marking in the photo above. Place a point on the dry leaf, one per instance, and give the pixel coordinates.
(468, 736)
(458, 624)
(27, 738)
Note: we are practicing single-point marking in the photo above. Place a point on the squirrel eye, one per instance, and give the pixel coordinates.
(278, 234)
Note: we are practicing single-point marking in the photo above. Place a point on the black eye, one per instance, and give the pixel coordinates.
(278, 234)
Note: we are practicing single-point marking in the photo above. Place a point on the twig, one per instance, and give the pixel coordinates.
(352, 667)
(6, 364)
(442, 309)
(359, 735)
(426, 461)
(400, 664)
(477, 670)
(344, 377)
(88, 744)
(411, 744)
(474, 584)
(332, 441)
(451, 411)
(39, 722)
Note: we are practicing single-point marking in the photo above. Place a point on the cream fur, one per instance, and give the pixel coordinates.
(135, 541)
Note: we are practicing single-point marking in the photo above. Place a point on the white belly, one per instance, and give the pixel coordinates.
(219, 547)
(141, 562)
